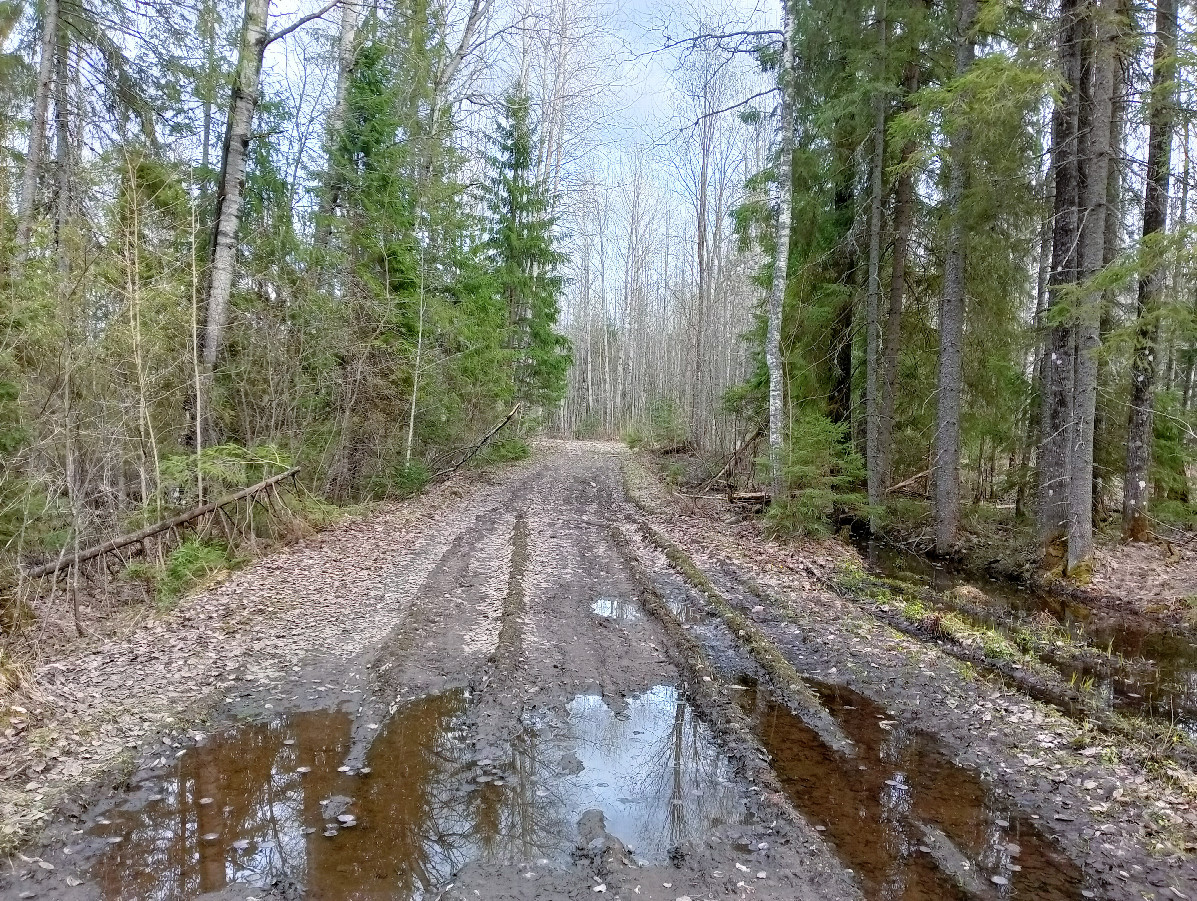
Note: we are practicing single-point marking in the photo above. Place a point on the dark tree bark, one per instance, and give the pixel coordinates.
(31, 174)
(1151, 285)
(904, 202)
(1097, 120)
(1055, 430)
(873, 458)
(946, 452)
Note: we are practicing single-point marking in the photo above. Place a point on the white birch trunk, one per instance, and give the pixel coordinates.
(785, 187)
(223, 258)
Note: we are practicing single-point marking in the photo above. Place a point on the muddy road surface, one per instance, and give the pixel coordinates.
(530, 694)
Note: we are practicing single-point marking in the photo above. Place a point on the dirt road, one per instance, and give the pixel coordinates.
(514, 689)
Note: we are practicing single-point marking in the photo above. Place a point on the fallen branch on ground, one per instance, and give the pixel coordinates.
(64, 564)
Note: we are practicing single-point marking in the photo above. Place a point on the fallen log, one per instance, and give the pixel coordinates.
(64, 564)
(473, 451)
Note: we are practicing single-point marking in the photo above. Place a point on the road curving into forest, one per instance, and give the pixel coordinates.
(552, 682)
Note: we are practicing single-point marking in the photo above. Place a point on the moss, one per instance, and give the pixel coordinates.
(1082, 573)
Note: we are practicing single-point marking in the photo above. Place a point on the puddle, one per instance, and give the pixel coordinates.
(621, 609)
(909, 822)
(652, 767)
(1166, 688)
(253, 804)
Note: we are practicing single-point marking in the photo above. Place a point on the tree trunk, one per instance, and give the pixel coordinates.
(1055, 432)
(946, 455)
(781, 259)
(876, 488)
(1151, 285)
(1102, 468)
(904, 199)
(223, 247)
(1098, 119)
(37, 136)
(346, 51)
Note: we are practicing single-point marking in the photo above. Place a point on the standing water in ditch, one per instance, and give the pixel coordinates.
(1147, 671)
(913, 825)
(273, 804)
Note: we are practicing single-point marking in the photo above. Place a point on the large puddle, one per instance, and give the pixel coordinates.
(909, 822)
(1164, 688)
(273, 803)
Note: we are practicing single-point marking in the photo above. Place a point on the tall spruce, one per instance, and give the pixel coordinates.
(523, 254)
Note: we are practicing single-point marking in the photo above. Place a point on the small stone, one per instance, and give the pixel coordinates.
(303, 769)
(999, 880)
(211, 836)
(204, 801)
(761, 874)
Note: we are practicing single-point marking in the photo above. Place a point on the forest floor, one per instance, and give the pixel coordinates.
(550, 682)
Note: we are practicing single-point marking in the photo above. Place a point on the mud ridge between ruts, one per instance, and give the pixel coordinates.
(1040, 682)
(1131, 825)
(495, 642)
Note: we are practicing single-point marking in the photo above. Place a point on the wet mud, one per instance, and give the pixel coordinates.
(1139, 667)
(558, 714)
(901, 814)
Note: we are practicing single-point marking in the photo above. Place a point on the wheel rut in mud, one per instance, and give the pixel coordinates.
(555, 713)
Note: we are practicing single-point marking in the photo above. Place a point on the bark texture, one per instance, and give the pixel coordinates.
(31, 173)
(223, 248)
(1097, 119)
(1151, 286)
(946, 454)
(904, 200)
(1056, 416)
(876, 487)
(777, 294)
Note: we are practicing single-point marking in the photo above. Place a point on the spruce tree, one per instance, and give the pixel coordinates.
(522, 250)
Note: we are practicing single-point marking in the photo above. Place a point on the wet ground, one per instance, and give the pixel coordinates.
(1148, 669)
(556, 713)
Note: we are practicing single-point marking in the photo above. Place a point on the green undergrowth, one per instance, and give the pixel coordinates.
(192, 564)
(506, 450)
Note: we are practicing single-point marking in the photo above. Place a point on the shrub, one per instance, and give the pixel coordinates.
(504, 450)
(822, 475)
(664, 428)
(408, 480)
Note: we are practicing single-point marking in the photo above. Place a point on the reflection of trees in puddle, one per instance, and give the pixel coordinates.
(882, 806)
(421, 814)
(653, 769)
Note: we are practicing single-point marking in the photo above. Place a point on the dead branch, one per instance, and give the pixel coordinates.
(66, 563)
(910, 481)
(445, 473)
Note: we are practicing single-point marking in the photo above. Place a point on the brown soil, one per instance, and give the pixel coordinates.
(506, 690)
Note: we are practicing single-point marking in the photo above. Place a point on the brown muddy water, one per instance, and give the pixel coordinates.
(273, 804)
(1150, 672)
(910, 823)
